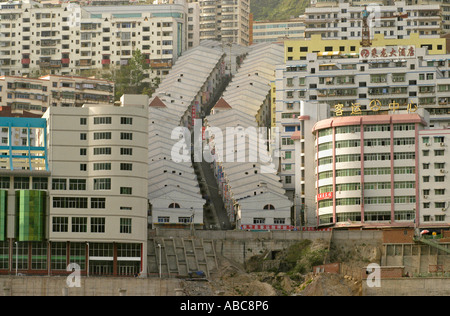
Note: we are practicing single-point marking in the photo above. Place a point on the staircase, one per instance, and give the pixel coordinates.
(177, 256)
(432, 243)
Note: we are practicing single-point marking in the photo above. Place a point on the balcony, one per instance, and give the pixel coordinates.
(158, 64)
(106, 61)
(65, 60)
(25, 61)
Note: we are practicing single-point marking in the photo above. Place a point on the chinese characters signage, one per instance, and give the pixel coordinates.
(387, 52)
(375, 106)
(324, 196)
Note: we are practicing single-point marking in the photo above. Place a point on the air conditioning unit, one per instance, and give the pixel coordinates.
(428, 144)
(425, 197)
(442, 144)
(442, 171)
(444, 209)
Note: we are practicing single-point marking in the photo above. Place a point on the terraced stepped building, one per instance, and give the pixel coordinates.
(251, 190)
(182, 97)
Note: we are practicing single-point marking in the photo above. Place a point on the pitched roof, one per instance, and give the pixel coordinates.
(157, 103)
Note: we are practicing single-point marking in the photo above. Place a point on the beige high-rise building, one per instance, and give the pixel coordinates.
(226, 20)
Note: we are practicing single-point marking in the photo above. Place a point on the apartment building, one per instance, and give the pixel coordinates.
(434, 184)
(246, 172)
(74, 191)
(225, 20)
(393, 19)
(445, 21)
(298, 49)
(67, 39)
(273, 31)
(367, 170)
(36, 95)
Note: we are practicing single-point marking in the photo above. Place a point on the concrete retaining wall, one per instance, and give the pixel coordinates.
(89, 286)
(409, 287)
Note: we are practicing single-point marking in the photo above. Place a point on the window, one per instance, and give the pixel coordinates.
(83, 167)
(102, 166)
(4, 182)
(102, 151)
(269, 207)
(125, 225)
(163, 219)
(60, 224)
(184, 220)
(278, 221)
(439, 191)
(439, 152)
(126, 166)
(83, 136)
(126, 136)
(77, 184)
(259, 220)
(102, 184)
(83, 121)
(70, 202)
(126, 151)
(126, 120)
(97, 224)
(21, 183)
(59, 184)
(174, 205)
(102, 135)
(126, 190)
(40, 183)
(83, 151)
(79, 224)
(102, 120)
(98, 203)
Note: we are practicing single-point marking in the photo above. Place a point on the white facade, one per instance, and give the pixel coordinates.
(248, 180)
(434, 184)
(274, 31)
(398, 19)
(69, 39)
(98, 184)
(224, 20)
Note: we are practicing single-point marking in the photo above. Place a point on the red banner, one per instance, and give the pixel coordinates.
(324, 196)
(267, 227)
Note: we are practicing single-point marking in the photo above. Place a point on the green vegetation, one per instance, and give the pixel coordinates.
(270, 10)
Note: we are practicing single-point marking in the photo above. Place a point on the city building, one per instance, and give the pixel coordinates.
(352, 84)
(434, 184)
(246, 173)
(367, 170)
(74, 191)
(184, 96)
(393, 19)
(225, 20)
(445, 16)
(36, 95)
(298, 49)
(274, 31)
(68, 39)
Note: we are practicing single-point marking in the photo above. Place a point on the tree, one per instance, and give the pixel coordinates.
(129, 78)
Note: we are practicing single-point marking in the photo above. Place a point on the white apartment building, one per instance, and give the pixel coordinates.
(97, 206)
(367, 170)
(181, 98)
(74, 191)
(434, 184)
(68, 39)
(273, 31)
(249, 184)
(36, 95)
(225, 20)
(393, 19)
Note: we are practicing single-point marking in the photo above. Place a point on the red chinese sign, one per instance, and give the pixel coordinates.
(387, 52)
(267, 227)
(324, 196)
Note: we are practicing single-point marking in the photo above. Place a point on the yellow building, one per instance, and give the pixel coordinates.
(297, 49)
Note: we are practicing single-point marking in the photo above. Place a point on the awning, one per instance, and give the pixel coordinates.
(335, 53)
